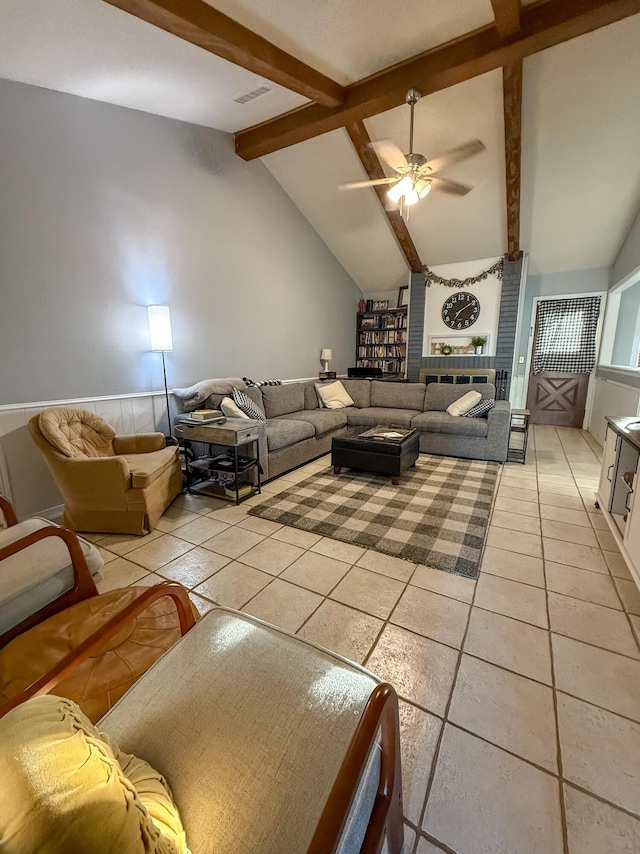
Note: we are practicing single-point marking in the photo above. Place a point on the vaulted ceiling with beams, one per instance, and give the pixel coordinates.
(550, 87)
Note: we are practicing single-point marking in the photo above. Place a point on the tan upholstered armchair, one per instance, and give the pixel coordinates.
(116, 484)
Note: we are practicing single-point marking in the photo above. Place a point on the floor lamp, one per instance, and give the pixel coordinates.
(161, 341)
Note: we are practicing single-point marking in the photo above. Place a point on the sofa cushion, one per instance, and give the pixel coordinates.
(397, 395)
(77, 432)
(440, 395)
(282, 399)
(310, 395)
(255, 395)
(464, 403)
(145, 468)
(322, 420)
(282, 432)
(37, 575)
(442, 422)
(374, 415)
(231, 409)
(247, 406)
(65, 788)
(333, 395)
(359, 391)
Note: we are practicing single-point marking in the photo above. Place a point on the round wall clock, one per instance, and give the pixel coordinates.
(461, 310)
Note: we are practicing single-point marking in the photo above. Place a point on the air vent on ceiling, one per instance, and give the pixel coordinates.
(255, 93)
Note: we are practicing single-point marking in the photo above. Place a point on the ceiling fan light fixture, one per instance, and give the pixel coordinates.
(411, 197)
(422, 187)
(400, 189)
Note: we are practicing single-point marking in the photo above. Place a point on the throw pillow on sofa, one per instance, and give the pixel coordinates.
(243, 402)
(231, 410)
(481, 410)
(463, 404)
(333, 395)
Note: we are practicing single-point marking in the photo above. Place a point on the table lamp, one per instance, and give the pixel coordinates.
(325, 356)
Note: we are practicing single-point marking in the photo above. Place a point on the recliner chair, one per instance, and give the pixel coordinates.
(110, 483)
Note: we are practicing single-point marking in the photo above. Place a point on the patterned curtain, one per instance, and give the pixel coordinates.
(566, 335)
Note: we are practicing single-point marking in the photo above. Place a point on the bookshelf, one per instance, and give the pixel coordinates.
(381, 340)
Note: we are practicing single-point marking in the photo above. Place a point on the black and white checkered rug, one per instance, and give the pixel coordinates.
(437, 516)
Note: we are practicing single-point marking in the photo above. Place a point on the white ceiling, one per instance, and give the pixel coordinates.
(350, 39)
(88, 48)
(581, 119)
(581, 148)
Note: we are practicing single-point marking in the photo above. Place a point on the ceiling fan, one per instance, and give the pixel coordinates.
(415, 176)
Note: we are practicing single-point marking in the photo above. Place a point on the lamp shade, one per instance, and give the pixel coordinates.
(326, 355)
(160, 327)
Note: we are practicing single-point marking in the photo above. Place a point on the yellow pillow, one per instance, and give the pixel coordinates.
(334, 395)
(66, 790)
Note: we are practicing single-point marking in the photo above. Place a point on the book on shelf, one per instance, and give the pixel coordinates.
(244, 489)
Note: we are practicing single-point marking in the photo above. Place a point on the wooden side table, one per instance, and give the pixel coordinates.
(519, 425)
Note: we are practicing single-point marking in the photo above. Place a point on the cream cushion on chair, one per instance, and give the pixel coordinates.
(250, 725)
(76, 432)
(66, 790)
(465, 403)
(37, 575)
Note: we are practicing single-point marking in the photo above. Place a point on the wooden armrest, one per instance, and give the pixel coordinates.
(8, 512)
(83, 583)
(92, 644)
(379, 715)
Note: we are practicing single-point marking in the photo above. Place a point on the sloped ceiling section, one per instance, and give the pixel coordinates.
(580, 151)
(351, 223)
(449, 228)
(444, 228)
(351, 39)
(91, 49)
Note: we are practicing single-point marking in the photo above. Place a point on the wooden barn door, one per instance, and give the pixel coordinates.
(563, 357)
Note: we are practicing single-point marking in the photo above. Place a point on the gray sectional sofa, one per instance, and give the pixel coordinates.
(297, 429)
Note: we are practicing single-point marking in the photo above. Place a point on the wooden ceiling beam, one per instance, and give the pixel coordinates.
(202, 25)
(507, 15)
(372, 166)
(512, 89)
(542, 25)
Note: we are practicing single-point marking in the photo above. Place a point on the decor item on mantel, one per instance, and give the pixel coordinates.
(494, 270)
(478, 342)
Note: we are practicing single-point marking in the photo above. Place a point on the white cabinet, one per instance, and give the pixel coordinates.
(619, 488)
(607, 473)
(632, 530)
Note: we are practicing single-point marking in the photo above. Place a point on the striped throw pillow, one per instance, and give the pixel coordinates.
(481, 409)
(247, 405)
(260, 383)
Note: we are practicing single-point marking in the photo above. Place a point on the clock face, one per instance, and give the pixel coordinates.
(461, 310)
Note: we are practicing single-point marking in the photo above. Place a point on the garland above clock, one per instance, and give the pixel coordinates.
(461, 311)
(494, 270)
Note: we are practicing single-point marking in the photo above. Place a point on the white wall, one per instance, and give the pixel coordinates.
(488, 292)
(628, 258)
(611, 398)
(105, 210)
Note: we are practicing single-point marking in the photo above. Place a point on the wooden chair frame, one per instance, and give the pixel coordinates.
(8, 512)
(379, 716)
(83, 584)
(45, 683)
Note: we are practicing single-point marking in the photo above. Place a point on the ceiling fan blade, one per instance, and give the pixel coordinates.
(356, 185)
(457, 155)
(389, 153)
(445, 185)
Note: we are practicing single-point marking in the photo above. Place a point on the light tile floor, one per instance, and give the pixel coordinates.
(520, 693)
